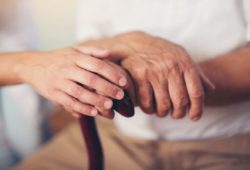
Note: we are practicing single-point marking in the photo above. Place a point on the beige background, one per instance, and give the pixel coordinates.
(55, 22)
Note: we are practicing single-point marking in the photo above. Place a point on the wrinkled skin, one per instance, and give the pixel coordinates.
(165, 77)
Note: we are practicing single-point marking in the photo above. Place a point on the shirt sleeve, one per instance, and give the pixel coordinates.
(246, 6)
(92, 20)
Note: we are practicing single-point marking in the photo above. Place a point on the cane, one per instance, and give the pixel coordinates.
(90, 134)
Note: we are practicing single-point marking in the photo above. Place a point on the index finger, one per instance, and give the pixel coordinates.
(196, 93)
(103, 69)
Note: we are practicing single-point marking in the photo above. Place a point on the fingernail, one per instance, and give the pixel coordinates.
(108, 104)
(120, 94)
(105, 51)
(77, 116)
(93, 112)
(195, 118)
(178, 116)
(122, 81)
(102, 52)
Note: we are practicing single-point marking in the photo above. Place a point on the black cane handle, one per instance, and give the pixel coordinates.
(90, 134)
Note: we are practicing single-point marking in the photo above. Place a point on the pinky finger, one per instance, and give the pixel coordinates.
(76, 115)
(73, 105)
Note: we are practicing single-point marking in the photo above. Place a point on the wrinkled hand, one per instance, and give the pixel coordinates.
(166, 78)
(79, 82)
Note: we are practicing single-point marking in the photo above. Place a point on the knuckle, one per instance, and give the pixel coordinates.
(198, 94)
(99, 103)
(181, 102)
(141, 72)
(75, 91)
(64, 69)
(146, 104)
(111, 90)
(70, 104)
(91, 79)
(95, 100)
(164, 107)
(99, 64)
(67, 109)
(166, 103)
(172, 65)
(182, 50)
(85, 109)
(69, 54)
(190, 68)
(77, 107)
(159, 69)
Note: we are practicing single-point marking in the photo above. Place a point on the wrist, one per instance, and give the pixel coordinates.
(22, 68)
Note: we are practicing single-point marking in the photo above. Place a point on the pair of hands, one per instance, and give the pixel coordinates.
(165, 79)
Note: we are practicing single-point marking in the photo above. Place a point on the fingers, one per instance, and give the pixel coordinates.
(196, 94)
(108, 114)
(76, 115)
(102, 103)
(161, 93)
(103, 69)
(94, 51)
(74, 106)
(130, 85)
(95, 82)
(145, 95)
(143, 88)
(178, 92)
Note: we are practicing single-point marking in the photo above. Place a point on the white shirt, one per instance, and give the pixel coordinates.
(206, 28)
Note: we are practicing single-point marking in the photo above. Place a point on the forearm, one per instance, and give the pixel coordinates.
(231, 75)
(9, 63)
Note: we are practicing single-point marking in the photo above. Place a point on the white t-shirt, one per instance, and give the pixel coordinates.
(206, 28)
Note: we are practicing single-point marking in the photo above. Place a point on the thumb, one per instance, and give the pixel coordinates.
(206, 82)
(208, 85)
(94, 51)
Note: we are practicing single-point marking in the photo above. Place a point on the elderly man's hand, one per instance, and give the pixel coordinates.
(166, 78)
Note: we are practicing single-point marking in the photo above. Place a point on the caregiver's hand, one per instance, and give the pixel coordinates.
(75, 80)
(166, 78)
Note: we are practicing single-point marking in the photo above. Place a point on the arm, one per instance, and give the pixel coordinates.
(77, 81)
(231, 75)
(8, 65)
(229, 72)
(166, 79)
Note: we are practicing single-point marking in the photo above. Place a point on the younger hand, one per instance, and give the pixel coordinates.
(79, 82)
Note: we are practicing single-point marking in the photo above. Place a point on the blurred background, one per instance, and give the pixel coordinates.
(28, 122)
(53, 18)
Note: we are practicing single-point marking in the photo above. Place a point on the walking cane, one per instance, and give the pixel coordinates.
(90, 134)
